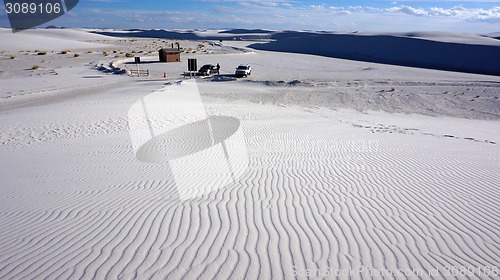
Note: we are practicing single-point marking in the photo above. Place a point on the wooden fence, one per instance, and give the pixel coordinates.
(139, 73)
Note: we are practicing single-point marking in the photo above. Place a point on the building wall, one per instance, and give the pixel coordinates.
(173, 57)
(169, 57)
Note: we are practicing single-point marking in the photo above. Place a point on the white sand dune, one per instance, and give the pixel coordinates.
(49, 39)
(477, 55)
(342, 171)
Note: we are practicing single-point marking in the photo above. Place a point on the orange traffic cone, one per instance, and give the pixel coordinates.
(164, 75)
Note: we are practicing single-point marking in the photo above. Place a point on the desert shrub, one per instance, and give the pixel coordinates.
(35, 67)
(105, 53)
(76, 55)
(129, 55)
(115, 51)
(89, 51)
(42, 53)
(13, 57)
(65, 52)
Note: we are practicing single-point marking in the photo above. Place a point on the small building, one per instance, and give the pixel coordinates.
(170, 55)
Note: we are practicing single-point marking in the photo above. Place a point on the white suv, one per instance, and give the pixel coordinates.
(243, 70)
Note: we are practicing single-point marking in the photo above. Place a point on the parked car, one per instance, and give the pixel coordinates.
(243, 70)
(207, 70)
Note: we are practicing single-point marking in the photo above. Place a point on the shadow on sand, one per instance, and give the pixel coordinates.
(386, 49)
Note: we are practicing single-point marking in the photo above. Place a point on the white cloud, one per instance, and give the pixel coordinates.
(408, 10)
(467, 14)
(340, 11)
(270, 4)
(317, 7)
(442, 12)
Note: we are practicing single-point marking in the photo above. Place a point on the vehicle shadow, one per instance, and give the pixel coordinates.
(213, 76)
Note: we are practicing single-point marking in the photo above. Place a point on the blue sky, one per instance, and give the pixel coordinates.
(481, 16)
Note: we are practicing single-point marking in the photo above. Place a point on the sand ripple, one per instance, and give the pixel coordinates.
(308, 200)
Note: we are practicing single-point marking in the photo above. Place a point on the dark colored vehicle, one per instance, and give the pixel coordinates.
(207, 70)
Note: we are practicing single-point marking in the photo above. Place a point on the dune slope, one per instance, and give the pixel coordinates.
(406, 51)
